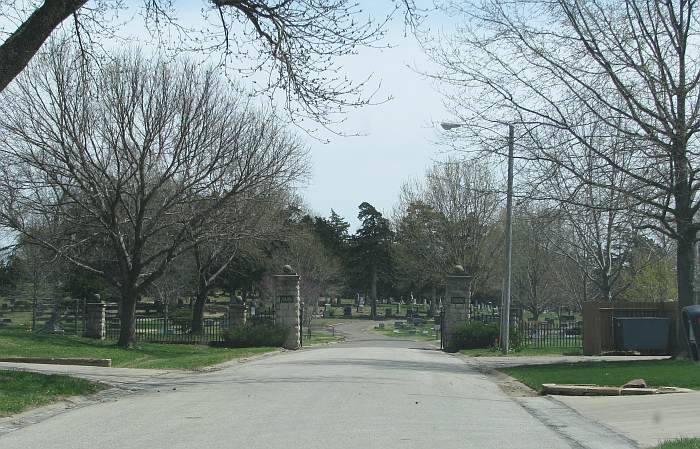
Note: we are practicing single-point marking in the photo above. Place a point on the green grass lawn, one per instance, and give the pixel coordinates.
(495, 352)
(683, 443)
(20, 343)
(19, 319)
(671, 373)
(406, 334)
(319, 338)
(21, 390)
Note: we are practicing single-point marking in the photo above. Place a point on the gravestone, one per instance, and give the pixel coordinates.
(287, 306)
(53, 324)
(95, 318)
(455, 305)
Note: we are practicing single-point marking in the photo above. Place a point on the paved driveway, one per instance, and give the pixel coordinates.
(347, 396)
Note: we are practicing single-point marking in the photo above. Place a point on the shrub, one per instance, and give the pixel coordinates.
(474, 335)
(253, 335)
(478, 335)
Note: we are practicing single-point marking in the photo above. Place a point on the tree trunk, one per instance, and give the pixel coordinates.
(373, 294)
(685, 279)
(685, 245)
(685, 263)
(127, 318)
(604, 286)
(22, 45)
(200, 301)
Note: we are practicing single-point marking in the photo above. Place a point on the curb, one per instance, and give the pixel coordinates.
(602, 390)
(105, 363)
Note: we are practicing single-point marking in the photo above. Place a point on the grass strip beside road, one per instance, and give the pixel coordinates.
(20, 343)
(683, 443)
(21, 390)
(657, 373)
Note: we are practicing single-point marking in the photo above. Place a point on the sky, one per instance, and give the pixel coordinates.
(389, 143)
(396, 141)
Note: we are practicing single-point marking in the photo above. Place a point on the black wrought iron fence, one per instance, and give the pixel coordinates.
(168, 330)
(533, 334)
(59, 315)
(492, 314)
(261, 315)
(540, 335)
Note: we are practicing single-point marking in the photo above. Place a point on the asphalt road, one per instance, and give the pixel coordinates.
(373, 394)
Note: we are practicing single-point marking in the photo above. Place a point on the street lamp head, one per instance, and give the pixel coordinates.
(449, 126)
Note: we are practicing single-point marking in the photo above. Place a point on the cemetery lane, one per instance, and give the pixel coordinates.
(341, 396)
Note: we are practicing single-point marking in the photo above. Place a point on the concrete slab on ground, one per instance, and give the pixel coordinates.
(110, 376)
(505, 362)
(648, 420)
(580, 431)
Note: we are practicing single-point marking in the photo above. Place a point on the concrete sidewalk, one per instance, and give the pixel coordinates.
(132, 378)
(118, 377)
(505, 362)
(648, 420)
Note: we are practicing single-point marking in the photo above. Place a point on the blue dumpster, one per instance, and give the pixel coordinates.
(643, 334)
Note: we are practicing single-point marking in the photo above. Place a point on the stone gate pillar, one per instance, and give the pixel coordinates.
(95, 318)
(287, 312)
(456, 304)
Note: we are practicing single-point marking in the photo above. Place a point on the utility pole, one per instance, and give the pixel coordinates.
(505, 298)
(507, 271)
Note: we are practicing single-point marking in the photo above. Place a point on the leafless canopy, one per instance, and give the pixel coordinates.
(570, 74)
(463, 195)
(132, 162)
(294, 45)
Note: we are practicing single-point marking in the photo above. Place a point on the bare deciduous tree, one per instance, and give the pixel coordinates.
(420, 249)
(244, 223)
(296, 42)
(137, 157)
(465, 194)
(596, 228)
(553, 68)
(536, 284)
(319, 270)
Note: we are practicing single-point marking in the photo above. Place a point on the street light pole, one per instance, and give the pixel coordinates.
(507, 269)
(505, 298)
